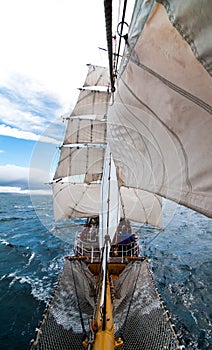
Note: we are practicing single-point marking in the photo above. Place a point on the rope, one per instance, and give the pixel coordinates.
(130, 303)
(157, 234)
(99, 289)
(120, 35)
(145, 244)
(78, 303)
(122, 202)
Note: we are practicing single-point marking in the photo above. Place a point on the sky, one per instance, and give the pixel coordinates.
(45, 46)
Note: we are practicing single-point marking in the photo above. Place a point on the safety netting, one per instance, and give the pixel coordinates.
(140, 317)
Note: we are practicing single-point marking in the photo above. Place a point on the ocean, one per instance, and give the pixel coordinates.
(32, 254)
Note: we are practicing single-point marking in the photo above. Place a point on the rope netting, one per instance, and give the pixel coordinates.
(139, 315)
(141, 318)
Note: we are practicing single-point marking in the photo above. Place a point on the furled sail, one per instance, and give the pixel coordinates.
(160, 123)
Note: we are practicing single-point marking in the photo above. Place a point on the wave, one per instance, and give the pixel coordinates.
(14, 218)
(10, 219)
(31, 258)
(11, 245)
(3, 242)
(41, 287)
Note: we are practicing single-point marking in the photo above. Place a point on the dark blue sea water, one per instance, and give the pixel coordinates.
(31, 260)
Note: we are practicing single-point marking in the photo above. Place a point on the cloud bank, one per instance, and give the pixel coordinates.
(26, 111)
(14, 178)
(6, 130)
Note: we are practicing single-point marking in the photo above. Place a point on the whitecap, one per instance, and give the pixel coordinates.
(41, 289)
(31, 258)
(3, 277)
(5, 242)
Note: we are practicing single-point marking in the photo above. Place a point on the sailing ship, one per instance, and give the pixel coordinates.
(130, 142)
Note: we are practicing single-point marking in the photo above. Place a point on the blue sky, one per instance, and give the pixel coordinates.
(45, 46)
(23, 150)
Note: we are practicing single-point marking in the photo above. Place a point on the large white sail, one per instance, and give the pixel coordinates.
(75, 200)
(85, 130)
(76, 161)
(97, 76)
(91, 102)
(141, 206)
(160, 124)
(76, 187)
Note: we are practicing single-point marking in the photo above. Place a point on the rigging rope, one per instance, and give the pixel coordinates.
(78, 303)
(157, 234)
(145, 244)
(121, 31)
(130, 303)
(122, 202)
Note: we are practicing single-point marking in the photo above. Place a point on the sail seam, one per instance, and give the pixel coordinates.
(142, 138)
(171, 85)
(168, 129)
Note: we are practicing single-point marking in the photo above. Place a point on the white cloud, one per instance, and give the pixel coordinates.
(12, 172)
(12, 189)
(44, 51)
(13, 132)
(12, 114)
(24, 178)
(27, 105)
(9, 189)
(51, 41)
(2, 151)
